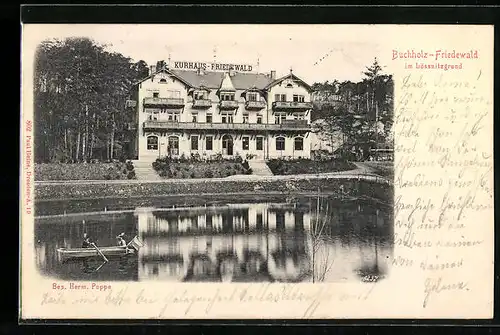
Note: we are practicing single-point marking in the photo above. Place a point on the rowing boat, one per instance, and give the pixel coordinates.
(65, 253)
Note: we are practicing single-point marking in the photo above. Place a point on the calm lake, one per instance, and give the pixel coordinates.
(240, 239)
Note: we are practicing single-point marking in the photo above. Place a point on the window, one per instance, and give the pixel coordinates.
(245, 142)
(280, 143)
(194, 142)
(227, 118)
(279, 118)
(298, 98)
(173, 94)
(154, 116)
(227, 97)
(259, 143)
(209, 221)
(200, 95)
(259, 118)
(258, 220)
(156, 94)
(209, 143)
(252, 96)
(209, 117)
(152, 142)
(299, 144)
(289, 85)
(173, 145)
(280, 220)
(171, 116)
(298, 116)
(194, 118)
(280, 97)
(245, 118)
(163, 81)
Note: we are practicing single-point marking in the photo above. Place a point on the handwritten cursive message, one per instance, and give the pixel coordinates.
(443, 178)
(191, 303)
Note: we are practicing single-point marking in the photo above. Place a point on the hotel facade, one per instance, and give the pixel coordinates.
(194, 111)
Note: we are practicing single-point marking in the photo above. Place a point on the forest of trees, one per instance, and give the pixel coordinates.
(362, 112)
(80, 90)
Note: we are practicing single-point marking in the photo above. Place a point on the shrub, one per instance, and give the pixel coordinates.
(209, 174)
(131, 175)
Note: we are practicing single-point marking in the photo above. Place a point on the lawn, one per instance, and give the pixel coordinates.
(84, 171)
(308, 166)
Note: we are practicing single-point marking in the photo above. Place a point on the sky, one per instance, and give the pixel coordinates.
(316, 53)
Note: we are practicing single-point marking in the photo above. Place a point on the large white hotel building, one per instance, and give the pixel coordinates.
(185, 111)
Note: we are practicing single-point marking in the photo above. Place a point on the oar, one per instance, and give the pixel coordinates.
(99, 251)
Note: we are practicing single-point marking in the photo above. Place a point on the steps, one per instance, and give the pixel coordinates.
(144, 170)
(259, 168)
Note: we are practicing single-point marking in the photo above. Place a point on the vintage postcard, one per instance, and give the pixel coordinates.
(256, 171)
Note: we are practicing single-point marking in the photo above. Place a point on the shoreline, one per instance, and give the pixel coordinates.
(370, 185)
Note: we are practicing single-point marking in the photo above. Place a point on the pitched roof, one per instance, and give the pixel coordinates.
(288, 76)
(240, 81)
(163, 70)
(227, 84)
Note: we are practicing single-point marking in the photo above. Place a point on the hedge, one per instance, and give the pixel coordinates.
(84, 171)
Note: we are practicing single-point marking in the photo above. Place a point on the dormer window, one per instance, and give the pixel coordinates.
(227, 96)
(200, 95)
(251, 96)
(156, 94)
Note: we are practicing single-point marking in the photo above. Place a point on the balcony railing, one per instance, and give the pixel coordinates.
(228, 104)
(164, 102)
(300, 125)
(202, 103)
(291, 105)
(255, 104)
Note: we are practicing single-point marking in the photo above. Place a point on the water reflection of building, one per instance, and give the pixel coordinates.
(237, 242)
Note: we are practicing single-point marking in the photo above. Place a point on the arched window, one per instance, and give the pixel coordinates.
(280, 143)
(298, 144)
(163, 80)
(152, 142)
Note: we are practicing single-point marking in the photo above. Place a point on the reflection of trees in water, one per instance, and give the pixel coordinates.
(353, 224)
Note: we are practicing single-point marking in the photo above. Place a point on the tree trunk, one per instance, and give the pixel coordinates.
(85, 134)
(78, 138)
(112, 135)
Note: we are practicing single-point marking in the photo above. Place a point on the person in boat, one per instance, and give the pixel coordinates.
(87, 242)
(121, 241)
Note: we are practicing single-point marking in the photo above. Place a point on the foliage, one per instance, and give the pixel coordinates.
(87, 171)
(362, 112)
(307, 166)
(197, 167)
(80, 89)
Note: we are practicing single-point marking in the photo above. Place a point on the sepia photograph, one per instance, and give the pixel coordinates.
(206, 158)
(256, 171)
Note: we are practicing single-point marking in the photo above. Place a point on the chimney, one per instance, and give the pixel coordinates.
(152, 69)
(273, 74)
(200, 71)
(231, 72)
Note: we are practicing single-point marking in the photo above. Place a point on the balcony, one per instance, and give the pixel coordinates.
(164, 102)
(255, 105)
(291, 105)
(202, 103)
(228, 104)
(292, 125)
